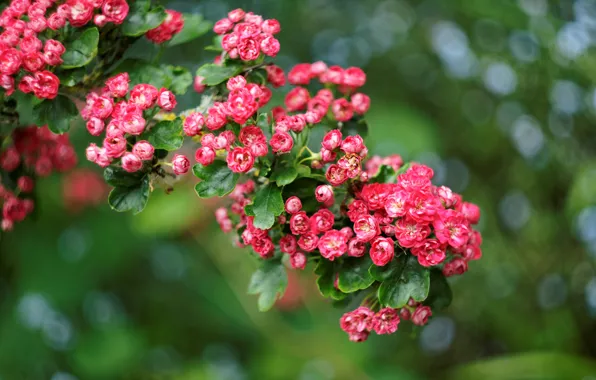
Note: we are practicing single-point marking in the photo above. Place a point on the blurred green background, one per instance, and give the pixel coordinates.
(497, 96)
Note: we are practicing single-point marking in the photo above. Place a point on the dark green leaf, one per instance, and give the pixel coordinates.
(355, 127)
(56, 113)
(327, 272)
(393, 268)
(143, 72)
(26, 104)
(354, 274)
(267, 205)
(141, 18)
(80, 49)
(248, 210)
(304, 188)
(215, 74)
(132, 198)
(118, 177)
(71, 78)
(194, 27)
(439, 296)
(270, 282)
(385, 174)
(165, 135)
(217, 179)
(411, 282)
(180, 79)
(283, 174)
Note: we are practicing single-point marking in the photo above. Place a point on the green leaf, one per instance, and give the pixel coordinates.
(143, 72)
(385, 174)
(180, 79)
(267, 205)
(194, 27)
(118, 177)
(133, 198)
(383, 273)
(56, 113)
(283, 174)
(71, 78)
(354, 274)
(165, 135)
(26, 104)
(440, 295)
(327, 272)
(413, 281)
(80, 49)
(217, 179)
(304, 188)
(270, 282)
(215, 74)
(141, 18)
(355, 127)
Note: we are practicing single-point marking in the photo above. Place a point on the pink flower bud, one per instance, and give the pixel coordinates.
(271, 26)
(25, 184)
(287, 244)
(354, 77)
(342, 109)
(332, 140)
(328, 155)
(352, 144)
(455, 267)
(193, 124)
(281, 142)
(471, 212)
(356, 248)
(324, 193)
(404, 314)
(131, 163)
(421, 315)
(293, 205)
(144, 150)
(114, 146)
(92, 152)
(95, 126)
(198, 84)
(270, 46)
(205, 155)
(166, 100)
(222, 26)
(318, 68)
(298, 260)
(360, 103)
(236, 15)
(180, 164)
(236, 83)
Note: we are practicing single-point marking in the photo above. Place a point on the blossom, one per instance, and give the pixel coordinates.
(180, 164)
(293, 205)
(386, 321)
(421, 315)
(332, 244)
(240, 160)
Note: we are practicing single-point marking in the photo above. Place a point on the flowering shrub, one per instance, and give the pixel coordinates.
(301, 184)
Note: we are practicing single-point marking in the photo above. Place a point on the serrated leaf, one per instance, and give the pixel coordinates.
(56, 113)
(165, 134)
(283, 174)
(440, 295)
(180, 79)
(133, 198)
(217, 179)
(413, 281)
(118, 177)
(215, 74)
(141, 18)
(270, 282)
(194, 27)
(354, 274)
(80, 49)
(327, 272)
(268, 204)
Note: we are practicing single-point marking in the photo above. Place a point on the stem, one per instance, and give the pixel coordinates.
(159, 54)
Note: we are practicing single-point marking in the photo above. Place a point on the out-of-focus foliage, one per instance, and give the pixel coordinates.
(497, 96)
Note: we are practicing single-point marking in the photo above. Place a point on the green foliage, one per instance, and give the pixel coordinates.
(130, 198)
(269, 281)
(404, 281)
(194, 27)
(215, 74)
(81, 48)
(142, 18)
(354, 274)
(327, 272)
(57, 113)
(440, 295)
(284, 174)
(386, 174)
(268, 204)
(355, 127)
(165, 135)
(179, 77)
(117, 177)
(217, 179)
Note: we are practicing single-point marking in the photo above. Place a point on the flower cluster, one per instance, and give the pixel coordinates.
(361, 322)
(34, 152)
(171, 26)
(246, 35)
(27, 55)
(122, 115)
(83, 188)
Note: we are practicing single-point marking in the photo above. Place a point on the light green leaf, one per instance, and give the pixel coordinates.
(215, 74)
(141, 18)
(165, 135)
(267, 205)
(180, 79)
(270, 282)
(283, 174)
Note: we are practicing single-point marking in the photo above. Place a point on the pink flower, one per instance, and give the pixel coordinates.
(205, 155)
(333, 75)
(430, 252)
(357, 321)
(342, 109)
(198, 84)
(216, 116)
(248, 49)
(332, 140)
(236, 15)
(451, 227)
(101, 107)
(117, 85)
(281, 142)
(114, 146)
(236, 83)
(143, 95)
(352, 144)
(46, 85)
(223, 26)
(240, 160)
(395, 204)
(270, 26)
(332, 244)
(131, 163)
(275, 75)
(354, 77)
(381, 251)
(264, 247)
(386, 321)
(115, 10)
(193, 124)
(298, 260)
(287, 244)
(421, 315)
(356, 209)
(299, 223)
(356, 248)
(56, 21)
(171, 26)
(91, 153)
(166, 100)
(336, 175)
(144, 150)
(81, 12)
(300, 74)
(308, 241)
(297, 99)
(324, 194)
(366, 228)
(241, 105)
(322, 220)
(25, 184)
(180, 164)
(360, 103)
(410, 233)
(251, 135)
(270, 46)
(471, 212)
(132, 121)
(293, 205)
(455, 267)
(95, 126)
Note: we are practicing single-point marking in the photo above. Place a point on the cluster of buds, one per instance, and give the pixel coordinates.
(34, 152)
(246, 35)
(171, 26)
(359, 323)
(122, 115)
